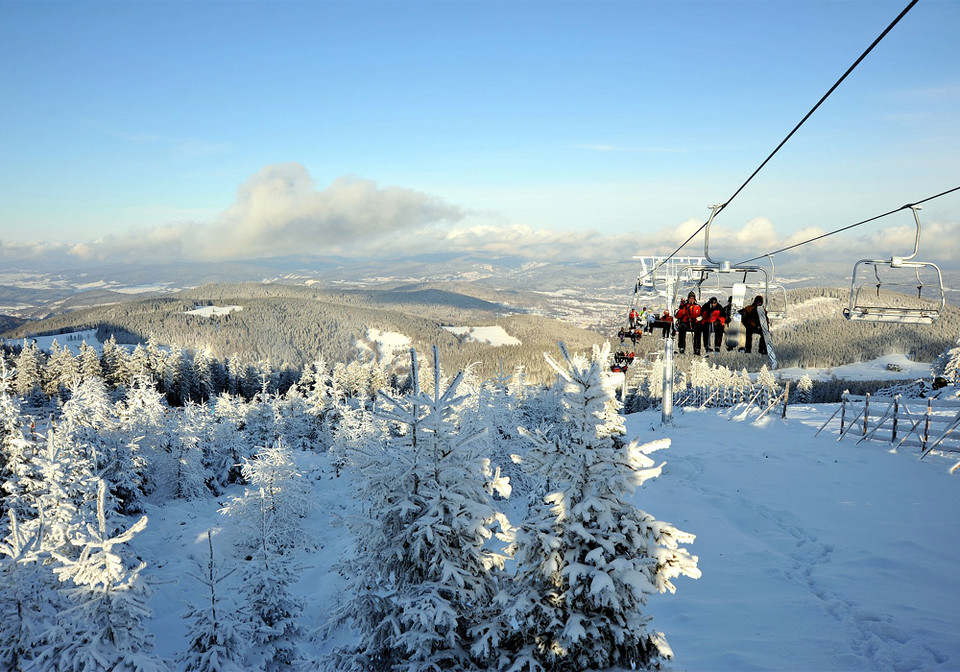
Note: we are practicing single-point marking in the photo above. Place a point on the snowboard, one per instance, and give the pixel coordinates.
(734, 327)
(762, 316)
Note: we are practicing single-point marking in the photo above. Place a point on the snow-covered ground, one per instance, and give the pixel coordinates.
(384, 345)
(888, 367)
(213, 311)
(816, 555)
(495, 336)
(71, 341)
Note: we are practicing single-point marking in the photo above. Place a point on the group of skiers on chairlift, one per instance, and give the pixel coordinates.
(639, 322)
(707, 323)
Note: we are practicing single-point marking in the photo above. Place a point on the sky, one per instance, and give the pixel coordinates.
(221, 130)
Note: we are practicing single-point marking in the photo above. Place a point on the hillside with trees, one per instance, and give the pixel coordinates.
(287, 326)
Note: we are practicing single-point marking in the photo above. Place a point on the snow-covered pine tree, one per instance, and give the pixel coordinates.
(272, 611)
(316, 386)
(28, 380)
(217, 642)
(804, 387)
(269, 517)
(947, 365)
(144, 428)
(274, 503)
(89, 362)
(139, 364)
(18, 474)
(209, 374)
(22, 597)
(179, 381)
(104, 629)
(188, 474)
(295, 424)
(260, 421)
(64, 480)
(587, 559)
(113, 363)
(62, 372)
(88, 434)
(422, 569)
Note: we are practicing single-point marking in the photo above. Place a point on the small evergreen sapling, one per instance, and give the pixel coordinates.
(275, 502)
(216, 641)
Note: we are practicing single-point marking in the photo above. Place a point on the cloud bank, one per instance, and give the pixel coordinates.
(281, 211)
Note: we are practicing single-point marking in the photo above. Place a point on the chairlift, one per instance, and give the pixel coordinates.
(776, 299)
(897, 274)
(711, 276)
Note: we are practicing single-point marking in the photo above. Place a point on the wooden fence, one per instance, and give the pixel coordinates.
(756, 398)
(927, 424)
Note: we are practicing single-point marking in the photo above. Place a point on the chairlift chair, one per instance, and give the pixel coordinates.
(869, 306)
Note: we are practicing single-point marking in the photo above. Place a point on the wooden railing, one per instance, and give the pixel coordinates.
(927, 424)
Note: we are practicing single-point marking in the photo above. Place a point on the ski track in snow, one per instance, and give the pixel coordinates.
(876, 641)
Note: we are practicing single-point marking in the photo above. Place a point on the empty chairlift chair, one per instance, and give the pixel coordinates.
(898, 290)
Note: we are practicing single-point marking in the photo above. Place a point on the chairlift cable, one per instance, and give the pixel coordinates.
(851, 226)
(789, 135)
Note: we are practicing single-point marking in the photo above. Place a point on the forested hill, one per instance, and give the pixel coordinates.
(290, 324)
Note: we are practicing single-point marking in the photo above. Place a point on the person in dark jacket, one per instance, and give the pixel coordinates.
(750, 321)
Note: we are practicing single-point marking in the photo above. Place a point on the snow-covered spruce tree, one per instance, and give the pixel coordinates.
(269, 520)
(113, 363)
(216, 642)
(188, 475)
(103, 629)
(89, 362)
(272, 610)
(804, 387)
(587, 558)
(422, 570)
(62, 372)
(144, 422)
(274, 503)
(90, 431)
(768, 382)
(260, 422)
(295, 424)
(28, 381)
(947, 365)
(22, 596)
(18, 474)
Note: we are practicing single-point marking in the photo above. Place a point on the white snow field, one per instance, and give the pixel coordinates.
(213, 311)
(816, 555)
(494, 335)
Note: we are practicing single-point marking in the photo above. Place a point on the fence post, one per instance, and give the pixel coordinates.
(866, 411)
(896, 413)
(786, 398)
(843, 410)
(926, 423)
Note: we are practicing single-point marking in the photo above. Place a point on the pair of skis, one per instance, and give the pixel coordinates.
(735, 327)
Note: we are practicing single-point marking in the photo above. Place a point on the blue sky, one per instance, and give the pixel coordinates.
(222, 129)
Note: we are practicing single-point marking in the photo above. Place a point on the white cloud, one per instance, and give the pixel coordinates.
(279, 211)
